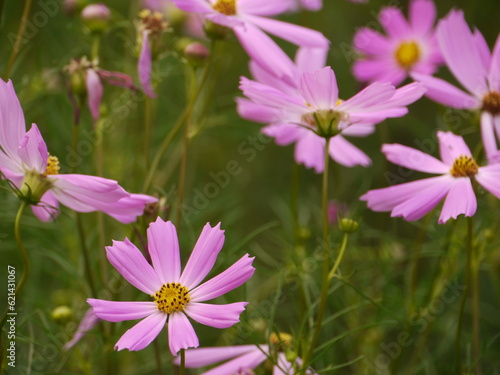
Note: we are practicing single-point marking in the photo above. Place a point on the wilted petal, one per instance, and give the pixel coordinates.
(143, 333)
(131, 264)
(163, 246)
(144, 66)
(120, 311)
(94, 93)
(218, 316)
(181, 334)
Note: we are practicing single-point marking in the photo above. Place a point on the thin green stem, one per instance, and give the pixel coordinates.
(326, 259)
(464, 298)
(343, 246)
(158, 355)
(476, 313)
(19, 39)
(24, 257)
(183, 362)
(96, 44)
(85, 253)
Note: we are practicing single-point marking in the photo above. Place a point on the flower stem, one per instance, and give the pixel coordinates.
(94, 51)
(86, 257)
(147, 130)
(476, 313)
(24, 256)
(335, 267)
(326, 260)
(183, 362)
(19, 39)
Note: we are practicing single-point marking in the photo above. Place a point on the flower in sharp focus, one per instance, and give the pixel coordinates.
(457, 169)
(243, 359)
(26, 163)
(176, 296)
(247, 18)
(305, 115)
(410, 46)
(468, 57)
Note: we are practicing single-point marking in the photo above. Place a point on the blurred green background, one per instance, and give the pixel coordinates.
(254, 207)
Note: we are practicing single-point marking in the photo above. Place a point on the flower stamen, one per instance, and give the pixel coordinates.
(152, 21)
(52, 166)
(171, 297)
(227, 7)
(464, 166)
(407, 54)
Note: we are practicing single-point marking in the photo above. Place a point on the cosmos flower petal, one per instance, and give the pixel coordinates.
(404, 96)
(226, 21)
(283, 364)
(198, 6)
(483, 49)
(48, 207)
(163, 246)
(347, 154)
(246, 361)
(413, 159)
(451, 147)
(310, 59)
(488, 134)
(12, 125)
(359, 130)
(320, 88)
(131, 264)
(393, 21)
(425, 200)
(454, 38)
(298, 35)
(309, 150)
(371, 42)
(488, 177)
(263, 76)
(422, 15)
(284, 134)
(88, 322)
(218, 316)
(33, 151)
(126, 210)
(494, 76)
(262, 7)
(382, 70)
(94, 91)
(386, 199)
(265, 51)
(208, 356)
(313, 5)
(145, 66)
(113, 311)
(460, 200)
(226, 281)
(256, 112)
(445, 93)
(181, 334)
(203, 257)
(370, 96)
(143, 333)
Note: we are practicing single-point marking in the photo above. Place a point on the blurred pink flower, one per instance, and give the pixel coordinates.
(145, 65)
(408, 47)
(336, 210)
(244, 358)
(412, 200)
(293, 112)
(313, 5)
(26, 163)
(88, 322)
(244, 17)
(176, 295)
(478, 70)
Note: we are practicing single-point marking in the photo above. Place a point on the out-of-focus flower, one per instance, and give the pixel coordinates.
(457, 169)
(88, 322)
(478, 70)
(336, 210)
(26, 163)
(313, 5)
(86, 82)
(245, 18)
(196, 53)
(410, 46)
(310, 111)
(96, 17)
(176, 295)
(243, 359)
(150, 28)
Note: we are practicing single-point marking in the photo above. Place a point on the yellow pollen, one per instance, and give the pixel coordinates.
(227, 7)
(152, 21)
(280, 340)
(491, 102)
(407, 54)
(171, 297)
(464, 166)
(52, 166)
(339, 102)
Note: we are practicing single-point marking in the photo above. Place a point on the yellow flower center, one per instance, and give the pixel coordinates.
(464, 166)
(280, 340)
(152, 21)
(52, 166)
(491, 102)
(227, 7)
(171, 297)
(407, 54)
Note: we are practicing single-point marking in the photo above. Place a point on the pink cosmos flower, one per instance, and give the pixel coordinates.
(244, 358)
(245, 18)
(299, 113)
(408, 47)
(478, 70)
(26, 163)
(176, 295)
(457, 169)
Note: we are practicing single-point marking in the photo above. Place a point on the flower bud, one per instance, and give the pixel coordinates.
(196, 53)
(96, 17)
(347, 225)
(61, 314)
